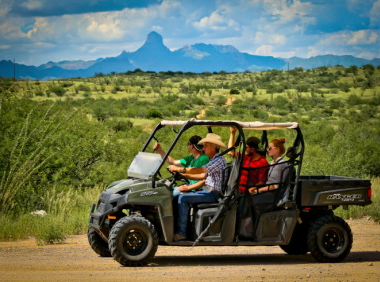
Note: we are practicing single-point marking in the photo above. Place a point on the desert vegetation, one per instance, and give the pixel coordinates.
(63, 141)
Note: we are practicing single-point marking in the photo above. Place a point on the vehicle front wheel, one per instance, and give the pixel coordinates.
(329, 239)
(97, 243)
(133, 241)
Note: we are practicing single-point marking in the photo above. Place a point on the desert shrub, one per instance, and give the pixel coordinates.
(119, 125)
(67, 84)
(220, 100)
(153, 113)
(82, 87)
(57, 90)
(354, 100)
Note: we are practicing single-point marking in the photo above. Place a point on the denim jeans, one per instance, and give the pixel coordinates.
(176, 192)
(184, 202)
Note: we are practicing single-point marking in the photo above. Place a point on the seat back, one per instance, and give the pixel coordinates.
(225, 177)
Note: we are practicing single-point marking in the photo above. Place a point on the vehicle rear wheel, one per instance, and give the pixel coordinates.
(133, 241)
(97, 243)
(298, 242)
(329, 239)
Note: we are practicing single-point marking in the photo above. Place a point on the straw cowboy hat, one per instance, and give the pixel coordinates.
(214, 139)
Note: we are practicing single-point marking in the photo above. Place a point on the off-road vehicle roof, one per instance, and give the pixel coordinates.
(258, 125)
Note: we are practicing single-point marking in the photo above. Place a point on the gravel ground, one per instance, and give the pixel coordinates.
(75, 261)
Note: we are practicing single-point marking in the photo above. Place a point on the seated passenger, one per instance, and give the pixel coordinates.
(275, 150)
(211, 172)
(252, 159)
(196, 159)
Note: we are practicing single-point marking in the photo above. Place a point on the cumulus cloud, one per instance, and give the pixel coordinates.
(360, 37)
(31, 4)
(262, 37)
(264, 50)
(217, 21)
(287, 11)
(369, 55)
(375, 15)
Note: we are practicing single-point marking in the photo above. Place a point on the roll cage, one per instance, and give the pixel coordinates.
(294, 153)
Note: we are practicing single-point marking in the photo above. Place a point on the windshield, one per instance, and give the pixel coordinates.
(144, 165)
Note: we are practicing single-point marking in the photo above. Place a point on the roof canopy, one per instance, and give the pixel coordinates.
(255, 125)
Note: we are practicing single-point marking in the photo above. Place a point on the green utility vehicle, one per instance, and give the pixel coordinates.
(133, 216)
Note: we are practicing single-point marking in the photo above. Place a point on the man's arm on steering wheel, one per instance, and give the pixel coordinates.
(187, 170)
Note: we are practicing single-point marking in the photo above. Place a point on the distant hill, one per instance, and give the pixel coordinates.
(153, 55)
(329, 61)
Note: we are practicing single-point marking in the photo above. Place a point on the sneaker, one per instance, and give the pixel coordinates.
(178, 237)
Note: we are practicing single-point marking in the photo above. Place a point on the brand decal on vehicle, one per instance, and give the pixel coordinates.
(345, 198)
(148, 193)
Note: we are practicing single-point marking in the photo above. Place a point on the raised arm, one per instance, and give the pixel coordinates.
(231, 141)
(169, 159)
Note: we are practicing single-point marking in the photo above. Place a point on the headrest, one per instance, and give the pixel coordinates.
(291, 153)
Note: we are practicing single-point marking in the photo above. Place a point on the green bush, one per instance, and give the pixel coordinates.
(153, 113)
(57, 90)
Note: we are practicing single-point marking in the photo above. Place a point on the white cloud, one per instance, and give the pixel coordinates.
(103, 29)
(363, 37)
(313, 51)
(374, 14)
(269, 50)
(360, 37)
(289, 11)
(32, 4)
(369, 55)
(264, 50)
(262, 37)
(157, 28)
(216, 22)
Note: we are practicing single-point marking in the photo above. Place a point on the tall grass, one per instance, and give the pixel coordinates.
(67, 214)
(30, 152)
(372, 210)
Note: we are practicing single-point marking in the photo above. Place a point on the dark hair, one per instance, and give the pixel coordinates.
(253, 142)
(194, 141)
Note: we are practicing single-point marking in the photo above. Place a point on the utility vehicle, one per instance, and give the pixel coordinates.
(133, 216)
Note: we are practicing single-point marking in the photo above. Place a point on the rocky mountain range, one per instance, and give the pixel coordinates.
(153, 55)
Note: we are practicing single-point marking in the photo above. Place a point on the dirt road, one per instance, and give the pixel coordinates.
(75, 261)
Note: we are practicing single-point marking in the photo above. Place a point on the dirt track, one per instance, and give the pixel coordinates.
(74, 260)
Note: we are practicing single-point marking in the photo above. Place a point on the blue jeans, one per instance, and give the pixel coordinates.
(176, 192)
(184, 202)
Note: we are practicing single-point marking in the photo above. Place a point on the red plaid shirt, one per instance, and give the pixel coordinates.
(255, 175)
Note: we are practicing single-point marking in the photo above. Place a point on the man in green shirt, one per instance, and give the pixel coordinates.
(196, 159)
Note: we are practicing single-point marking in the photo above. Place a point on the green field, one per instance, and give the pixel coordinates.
(64, 140)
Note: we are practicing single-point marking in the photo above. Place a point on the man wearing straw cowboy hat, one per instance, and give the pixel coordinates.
(212, 172)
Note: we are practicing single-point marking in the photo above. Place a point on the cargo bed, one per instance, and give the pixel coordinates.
(317, 190)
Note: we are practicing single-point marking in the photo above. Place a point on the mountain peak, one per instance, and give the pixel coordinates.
(153, 44)
(154, 38)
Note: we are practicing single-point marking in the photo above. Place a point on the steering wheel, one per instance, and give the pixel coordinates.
(177, 176)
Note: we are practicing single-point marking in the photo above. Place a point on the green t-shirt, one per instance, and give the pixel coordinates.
(189, 161)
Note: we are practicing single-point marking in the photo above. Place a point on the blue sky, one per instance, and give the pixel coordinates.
(37, 31)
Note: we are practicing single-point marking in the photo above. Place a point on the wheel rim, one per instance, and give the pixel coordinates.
(333, 240)
(135, 242)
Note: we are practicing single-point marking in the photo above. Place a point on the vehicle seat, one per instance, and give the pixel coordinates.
(264, 202)
(225, 176)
